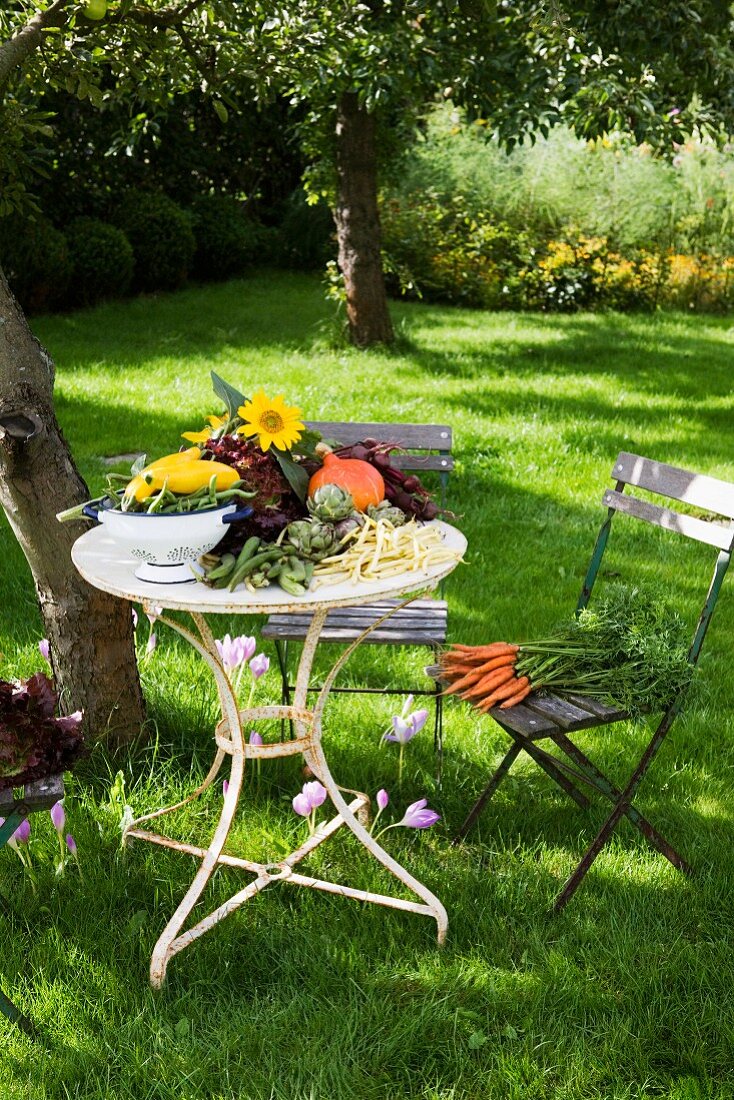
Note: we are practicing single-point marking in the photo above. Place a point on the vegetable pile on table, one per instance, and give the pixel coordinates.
(630, 649)
(321, 512)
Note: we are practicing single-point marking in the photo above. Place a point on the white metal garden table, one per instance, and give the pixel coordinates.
(103, 564)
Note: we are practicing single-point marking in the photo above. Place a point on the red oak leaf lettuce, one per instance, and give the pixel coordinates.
(34, 744)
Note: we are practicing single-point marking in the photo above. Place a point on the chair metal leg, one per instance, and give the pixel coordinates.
(550, 766)
(622, 809)
(488, 791)
(16, 1016)
(281, 651)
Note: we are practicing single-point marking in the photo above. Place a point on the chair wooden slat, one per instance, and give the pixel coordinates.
(349, 615)
(399, 636)
(707, 493)
(711, 533)
(566, 715)
(40, 795)
(416, 437)
(525, 721)
(596, 706)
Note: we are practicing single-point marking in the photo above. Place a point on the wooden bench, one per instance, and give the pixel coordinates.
(423, 622)
(41, 795)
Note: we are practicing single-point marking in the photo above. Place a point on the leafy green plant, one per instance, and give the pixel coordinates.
(227, 241)
(36, 260)
(162, 239)
(102, 259)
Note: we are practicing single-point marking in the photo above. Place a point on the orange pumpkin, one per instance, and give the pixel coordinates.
(359, 478)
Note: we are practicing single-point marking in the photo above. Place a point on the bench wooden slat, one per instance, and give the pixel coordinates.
(689, 526)
(444, 464)
(419, 437)
(708, 493)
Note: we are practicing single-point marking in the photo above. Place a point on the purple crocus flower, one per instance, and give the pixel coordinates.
(225, 788)
(23, 833)
(135, 618)
(259, 665)
(234, 652)
(58, 817)
(315, 792)
(382, 798)
(302, 805)
(71, 844)
(43, 649)
(405, 729)
(419, 816)
(255, 738)
(153, 614)
(152, 643)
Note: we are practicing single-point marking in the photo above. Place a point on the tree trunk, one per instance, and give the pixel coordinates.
(90, 633)
(358, 225)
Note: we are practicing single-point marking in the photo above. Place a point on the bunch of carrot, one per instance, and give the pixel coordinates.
(485, 675)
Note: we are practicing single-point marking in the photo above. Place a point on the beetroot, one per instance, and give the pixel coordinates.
(403, 490)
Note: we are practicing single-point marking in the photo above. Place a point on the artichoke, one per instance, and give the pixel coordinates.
(330, 503)
(312, 539)
(390, 512)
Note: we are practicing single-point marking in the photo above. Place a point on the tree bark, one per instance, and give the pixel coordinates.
(90, 633)
(358, 225)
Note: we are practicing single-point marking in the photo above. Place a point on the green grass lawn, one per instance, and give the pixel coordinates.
(300, 996)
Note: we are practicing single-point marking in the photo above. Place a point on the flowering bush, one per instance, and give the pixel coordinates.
(34, 744)
(443, 250)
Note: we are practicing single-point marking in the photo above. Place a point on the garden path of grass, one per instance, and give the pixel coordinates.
(630, 992)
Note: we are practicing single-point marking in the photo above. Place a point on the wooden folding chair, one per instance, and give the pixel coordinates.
(423, 622)
(551, 717)
(40, 795)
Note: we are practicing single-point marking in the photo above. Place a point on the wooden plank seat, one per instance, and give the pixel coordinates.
(552, 717)
(424, 622)
(37, 796)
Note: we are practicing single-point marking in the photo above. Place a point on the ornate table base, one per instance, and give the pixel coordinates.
(230, 742)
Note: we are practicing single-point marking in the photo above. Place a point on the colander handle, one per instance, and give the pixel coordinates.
(241, 513)
(91, 513)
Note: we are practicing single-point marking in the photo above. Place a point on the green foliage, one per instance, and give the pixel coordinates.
(36, 260)
(307, 232)
(227, 241)
(162, 239)
(102, 260)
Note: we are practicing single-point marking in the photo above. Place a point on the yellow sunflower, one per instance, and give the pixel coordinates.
(202, 436)
(271, 421)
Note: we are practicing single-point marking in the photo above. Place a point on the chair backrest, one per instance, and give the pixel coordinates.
(709, 494)
(419, 440)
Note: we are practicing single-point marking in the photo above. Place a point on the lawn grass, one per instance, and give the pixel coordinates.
(629, 994)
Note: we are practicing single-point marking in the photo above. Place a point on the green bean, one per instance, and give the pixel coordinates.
(251, 564)
(224, 568)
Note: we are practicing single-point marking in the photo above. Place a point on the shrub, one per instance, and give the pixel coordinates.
(36, 260)
(227, 241)
(701, 283)
(102, 260)
(161, 237)
(442, 251)
(581, 272)
(307, 233)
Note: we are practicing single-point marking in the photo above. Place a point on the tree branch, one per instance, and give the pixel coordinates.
(165, 17)
(28, 38)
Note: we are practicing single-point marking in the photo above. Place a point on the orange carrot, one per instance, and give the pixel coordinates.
(515, 699)
(505, 691)
(491, 681)
(495, 649)
(466, 679)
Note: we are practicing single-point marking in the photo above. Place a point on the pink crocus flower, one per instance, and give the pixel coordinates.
(259, 665)
(382, 798)
(152, 643)
(44, 649)
(255, 738)
(58, 817)
(302, 805)
(405, 728)
(152, 614)
(308, 801)
(71, 844)
(135, 618)
(23, 833)
(419, 816)
(315, 792)
(225, 788)
(234, 652)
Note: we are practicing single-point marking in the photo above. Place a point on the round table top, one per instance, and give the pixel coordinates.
(102, 563)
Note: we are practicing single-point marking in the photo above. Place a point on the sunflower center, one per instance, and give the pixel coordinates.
(271, 422)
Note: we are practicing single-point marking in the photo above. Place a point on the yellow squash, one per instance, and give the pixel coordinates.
(184, 472)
